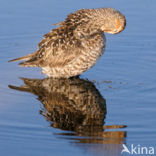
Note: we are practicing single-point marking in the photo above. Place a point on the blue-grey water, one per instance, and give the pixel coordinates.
(113, 103)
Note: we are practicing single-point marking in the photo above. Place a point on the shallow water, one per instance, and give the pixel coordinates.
(115, 106)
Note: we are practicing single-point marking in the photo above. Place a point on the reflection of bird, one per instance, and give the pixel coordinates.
(77, 106)
(76, 44)
(71, 104)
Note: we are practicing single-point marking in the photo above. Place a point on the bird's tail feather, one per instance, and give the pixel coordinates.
(29, 60)
(27, 57)
(29, 63)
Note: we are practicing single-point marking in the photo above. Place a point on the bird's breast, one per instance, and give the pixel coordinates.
(92, 50)
(89, 52)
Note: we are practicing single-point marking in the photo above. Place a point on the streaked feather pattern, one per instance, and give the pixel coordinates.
(76, 44)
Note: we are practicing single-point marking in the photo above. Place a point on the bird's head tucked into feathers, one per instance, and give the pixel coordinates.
(111, 21)
(87, 22)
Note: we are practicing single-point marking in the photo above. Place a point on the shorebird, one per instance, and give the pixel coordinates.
(76, 44)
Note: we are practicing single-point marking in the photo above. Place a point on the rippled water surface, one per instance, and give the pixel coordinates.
(112, 104)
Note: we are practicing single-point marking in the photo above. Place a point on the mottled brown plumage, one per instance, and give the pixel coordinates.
(76, 44)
